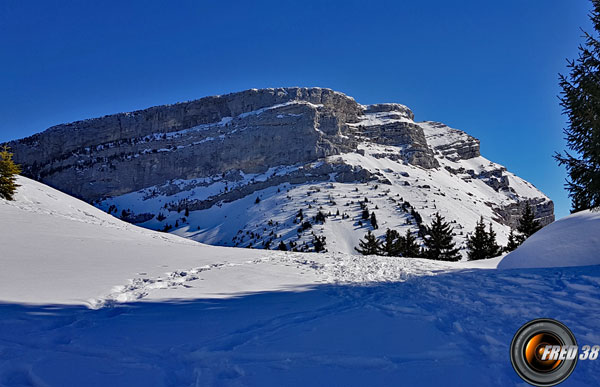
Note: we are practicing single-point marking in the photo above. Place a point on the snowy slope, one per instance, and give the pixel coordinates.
(167, 311)
(570, 241)
(47, 236)
(460, 189)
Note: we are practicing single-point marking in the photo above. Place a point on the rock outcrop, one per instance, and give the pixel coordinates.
(249, 131)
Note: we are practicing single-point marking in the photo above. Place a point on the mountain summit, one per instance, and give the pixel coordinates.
(289, 167)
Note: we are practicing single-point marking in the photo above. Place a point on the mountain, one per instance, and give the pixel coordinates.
(236, 170)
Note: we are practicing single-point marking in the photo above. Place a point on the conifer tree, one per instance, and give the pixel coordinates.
(282, 246)
(370, 246)
(492, 247)
(318, 243)
(365, 214)
(409, 246)
(374, 221)
(527, 223)
(580, 99)
(8, 174)
(513, 241)
(477, 244)
(391, 246)
(320, 217)
(438, 241)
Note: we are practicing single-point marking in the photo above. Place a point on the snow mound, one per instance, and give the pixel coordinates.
(571, 241)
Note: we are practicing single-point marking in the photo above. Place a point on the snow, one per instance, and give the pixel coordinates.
(86, 299)
(570, 241)
(225, 223)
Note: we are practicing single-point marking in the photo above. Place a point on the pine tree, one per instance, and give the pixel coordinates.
(391, 246)
(580, 99)
(318, 243)
(527, 223)
(320, 217)
(492, 247)
(370, 246)
(374, 221)
(477, 244)
(438, 241)
(282, 246)
(409, 246)
(513, 241)
(365, 214)
(8, 174)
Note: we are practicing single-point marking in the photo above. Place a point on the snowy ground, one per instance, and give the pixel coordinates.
(86, 299)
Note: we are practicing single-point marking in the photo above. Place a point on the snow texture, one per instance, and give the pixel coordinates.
(86, 299)
(571, 241)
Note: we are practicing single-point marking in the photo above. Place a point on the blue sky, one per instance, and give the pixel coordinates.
(489, 68)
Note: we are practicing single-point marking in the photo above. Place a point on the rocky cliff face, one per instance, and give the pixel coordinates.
(254, 140)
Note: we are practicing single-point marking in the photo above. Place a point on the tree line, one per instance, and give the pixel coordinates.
(438, 242)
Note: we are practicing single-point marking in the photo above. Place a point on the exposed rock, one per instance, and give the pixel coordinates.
(510, 214)
(249, 131)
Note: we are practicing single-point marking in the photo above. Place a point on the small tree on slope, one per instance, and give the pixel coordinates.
(439, 244)
(391, 245)
(527, 224)
(491, 246)
(513, 241)
(580, 99)
(370, 246)
(8, 174)
(477, 244)
(408, 245)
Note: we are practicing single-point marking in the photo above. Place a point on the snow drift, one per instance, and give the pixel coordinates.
(571, 241)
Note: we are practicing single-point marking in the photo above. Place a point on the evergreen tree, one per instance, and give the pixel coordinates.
(477, 244)
(409, 246)
(580, 99)
(318, 243)
(370, 246)
(391, 246)
(492, 247)
(374, 221)
(365, 214)
(282, 246)
(527, 223)
(257, 200)
(513, 241)
(8, 174)
(320, 218)
(438, 241)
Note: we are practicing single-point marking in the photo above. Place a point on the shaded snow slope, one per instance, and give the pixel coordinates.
(570, 241)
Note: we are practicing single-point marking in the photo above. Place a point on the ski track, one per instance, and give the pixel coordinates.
(336, 268)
